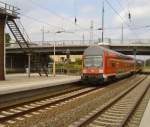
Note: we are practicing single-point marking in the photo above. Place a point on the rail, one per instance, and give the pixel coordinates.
(87, 120)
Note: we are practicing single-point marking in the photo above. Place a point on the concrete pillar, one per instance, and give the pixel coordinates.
(29, 64)
(2, 58)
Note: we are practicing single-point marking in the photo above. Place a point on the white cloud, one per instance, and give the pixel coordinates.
(140, 11)
(55, 21)
(88, 9)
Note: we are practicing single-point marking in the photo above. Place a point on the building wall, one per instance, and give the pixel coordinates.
(61, 58)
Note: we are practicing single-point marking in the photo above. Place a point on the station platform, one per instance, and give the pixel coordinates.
(20, 82)
(146, 70)
(145, 122)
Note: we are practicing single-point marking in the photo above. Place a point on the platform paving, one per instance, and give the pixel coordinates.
(146, 70)
(20, 82)
(145, 122)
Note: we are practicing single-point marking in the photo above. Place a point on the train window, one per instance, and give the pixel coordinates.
(113, 64)
(95, 61)
(108, 62)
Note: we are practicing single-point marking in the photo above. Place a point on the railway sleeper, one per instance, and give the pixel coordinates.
(95, 126)
(109, 120)
(133, 123)
(113, 116)
(101, 123)
(110, 113)
(119, 109)
(123, 104)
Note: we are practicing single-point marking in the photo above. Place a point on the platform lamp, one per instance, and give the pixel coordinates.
(54, 44)
(101, 29)
(54, 63)
(68, 58)
(54, 48)
(134, 53)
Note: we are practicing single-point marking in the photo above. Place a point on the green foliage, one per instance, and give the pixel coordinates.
(8, 38)
(148, 62)
(78, 61)
(71, 65)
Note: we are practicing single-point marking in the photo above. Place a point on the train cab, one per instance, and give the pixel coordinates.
(93, 64)
(102, 64)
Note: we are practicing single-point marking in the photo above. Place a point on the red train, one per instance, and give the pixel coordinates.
(101, 64)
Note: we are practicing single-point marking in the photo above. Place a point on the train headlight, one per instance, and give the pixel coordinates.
(84, 71)
(100, 71)
(92, 70)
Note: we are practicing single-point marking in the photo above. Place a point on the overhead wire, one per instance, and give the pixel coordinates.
(40, 21)
(122, 19)
(65, 18)
(132, 21)
(58, 15)
(122, 6)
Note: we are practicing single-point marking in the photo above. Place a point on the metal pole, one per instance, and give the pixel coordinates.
(11, 62)
(54, 64)
(83, 38)
(103, 11)
(29, 65)
(43, 35)
(91, 33)
(134, 60)
(145, 64)
(122, 34)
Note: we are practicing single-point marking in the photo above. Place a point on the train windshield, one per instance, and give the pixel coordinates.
(93, 61)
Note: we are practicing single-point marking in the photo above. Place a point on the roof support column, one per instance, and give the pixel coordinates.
(2, 49)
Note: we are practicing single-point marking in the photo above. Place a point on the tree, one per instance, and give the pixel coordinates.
(78, 61)
(8, 39)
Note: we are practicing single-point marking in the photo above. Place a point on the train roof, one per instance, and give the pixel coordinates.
(98, 50)
(93, 51)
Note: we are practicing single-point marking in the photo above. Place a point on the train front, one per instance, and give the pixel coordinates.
(93, 64)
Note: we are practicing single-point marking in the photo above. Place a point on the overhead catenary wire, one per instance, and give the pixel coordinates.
(81, 30)
(50, 25)
(40, 21)
(129, 9)
(75, 12)
(122, 6)
(122, 19)
(68, 20)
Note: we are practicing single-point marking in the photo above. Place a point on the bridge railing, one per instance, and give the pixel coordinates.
(80, 43)
(67, 43)
(8, 9)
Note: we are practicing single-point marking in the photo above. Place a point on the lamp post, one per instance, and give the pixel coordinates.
(101, 29)
(134, 53)
(54, 63)
(103, 12)
(68, 58)
(54, 49)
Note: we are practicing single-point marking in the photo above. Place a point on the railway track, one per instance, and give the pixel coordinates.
(117, 111)
(9, 113)
(9, 116)
(10, 100)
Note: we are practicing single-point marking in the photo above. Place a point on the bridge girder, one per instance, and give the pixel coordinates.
(78, 50)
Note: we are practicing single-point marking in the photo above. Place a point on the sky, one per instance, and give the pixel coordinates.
(57, 15)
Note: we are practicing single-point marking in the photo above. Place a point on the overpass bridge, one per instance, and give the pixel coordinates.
(77, 48)
(17, 59)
